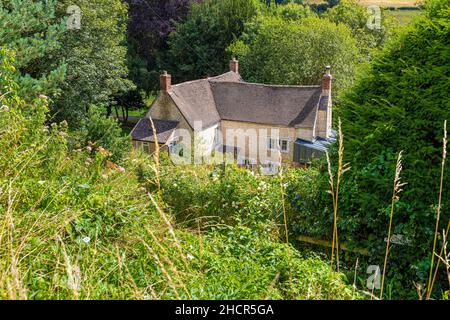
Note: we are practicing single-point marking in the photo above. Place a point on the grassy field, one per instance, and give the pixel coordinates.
(381, 3)
(391, 3)
(404, 16)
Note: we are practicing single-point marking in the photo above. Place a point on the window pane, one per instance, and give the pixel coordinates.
(146, 147)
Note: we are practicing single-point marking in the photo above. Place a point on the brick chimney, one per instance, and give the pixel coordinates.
(326, 81)
(165, 81)
(234, 65)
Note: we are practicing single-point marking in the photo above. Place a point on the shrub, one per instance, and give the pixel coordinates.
(101, 131)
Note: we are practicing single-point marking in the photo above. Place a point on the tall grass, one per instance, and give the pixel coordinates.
(431, 278)
(395, 197)
(334, 191)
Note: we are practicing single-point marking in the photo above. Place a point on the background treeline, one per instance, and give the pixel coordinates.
(111, 64)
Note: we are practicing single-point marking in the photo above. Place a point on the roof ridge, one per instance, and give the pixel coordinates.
(313, 86)
(207, 79)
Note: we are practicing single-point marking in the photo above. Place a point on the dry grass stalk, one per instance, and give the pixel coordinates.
(171, 230)
(334, 190)
(272, 286)
(286, 231)
(446, 257)
(395, 196)
(163, 270)
(13, 279)
(157, 158)
(169, 262)
(73, 274)
(432, 278)
(354, 277)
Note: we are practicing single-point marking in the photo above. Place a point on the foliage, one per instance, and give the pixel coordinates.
(197, 47)
(95, 59)
(356, 17)
(32, 29)
(296, 52)
(400, 103)
(102, 132)
(150, 23)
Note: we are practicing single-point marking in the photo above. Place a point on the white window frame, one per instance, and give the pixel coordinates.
(271, 168)
(271, 141)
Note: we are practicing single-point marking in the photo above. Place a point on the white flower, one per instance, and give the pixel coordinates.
(41, 182)
(86, 239)
(190, 256)
(89, 148)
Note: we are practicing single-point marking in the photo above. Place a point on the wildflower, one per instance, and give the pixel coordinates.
(89, 148)
(121, 169)
(190, 256)
(43, 97)
(86, 240)
(41, 182)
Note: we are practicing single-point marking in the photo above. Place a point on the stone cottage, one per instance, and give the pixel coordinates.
(210, 108)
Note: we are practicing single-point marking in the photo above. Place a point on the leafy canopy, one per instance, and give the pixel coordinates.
(292, 52)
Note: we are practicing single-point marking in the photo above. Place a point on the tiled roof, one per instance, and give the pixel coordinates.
(143, 130)
(228, 97)
(196, 101)
(294, 106)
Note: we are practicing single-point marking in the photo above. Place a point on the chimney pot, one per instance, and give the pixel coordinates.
(165, 81)
(234, 65)
(327, 80)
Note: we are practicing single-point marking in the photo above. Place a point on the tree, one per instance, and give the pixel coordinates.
(31, 29)
(295, 52)
(356, 17)
(198, 46)
(150, 23)
(95, 57)
(399, 103)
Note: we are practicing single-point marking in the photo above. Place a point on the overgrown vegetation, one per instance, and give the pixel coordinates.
(74, 225)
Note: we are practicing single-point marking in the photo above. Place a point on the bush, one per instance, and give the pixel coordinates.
(105, 132)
